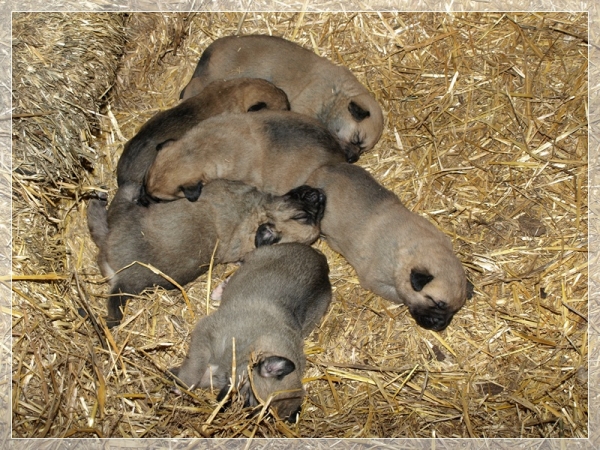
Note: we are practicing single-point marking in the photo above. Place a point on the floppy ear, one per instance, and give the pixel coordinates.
(419, 278)
(192, 193)
(275, 367)
(266, 235)
(358, 112)
(257, 107)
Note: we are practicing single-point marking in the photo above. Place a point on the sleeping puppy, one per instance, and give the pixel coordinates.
(178, 238)
(274, 151)
(236, 96)
(268, 306)
(396, 253)
(314, 85)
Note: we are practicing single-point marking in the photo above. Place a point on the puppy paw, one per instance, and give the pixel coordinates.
(172, 375)
(112, 322)
(217, 292)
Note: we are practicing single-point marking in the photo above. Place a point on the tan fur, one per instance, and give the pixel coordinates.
(235, 96)
(269, 305)
(178, 238)
(272, 150)
(391, 248)
(314, 85)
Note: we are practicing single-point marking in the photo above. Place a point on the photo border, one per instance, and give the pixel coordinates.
(6, 9)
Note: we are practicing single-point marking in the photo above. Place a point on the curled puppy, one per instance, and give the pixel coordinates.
(396, 253)
(236, 96)
(272, 150)
(268, 306)
(178, 238)
(314, 85)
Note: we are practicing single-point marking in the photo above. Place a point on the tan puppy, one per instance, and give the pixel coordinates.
(396, 253)
(269, 305)
(272, 150)
(314, 85)
(236, 96)
(178, 238)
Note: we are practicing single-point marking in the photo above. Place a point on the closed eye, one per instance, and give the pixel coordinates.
(303, 218)
(439, 304)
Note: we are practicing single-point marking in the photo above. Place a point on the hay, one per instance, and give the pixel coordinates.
(486, 136)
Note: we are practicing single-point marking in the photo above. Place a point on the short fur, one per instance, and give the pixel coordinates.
(314, 85)
(396, 253)
(269, 305)
(235, 96)
(272, 150)
(178, 238)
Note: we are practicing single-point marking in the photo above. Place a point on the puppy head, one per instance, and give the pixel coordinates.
(293, 217)
(433, 296)
(358, 124)
(276, 380)
(238, 95)
(255, 94)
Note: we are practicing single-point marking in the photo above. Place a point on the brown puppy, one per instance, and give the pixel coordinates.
(272, 150)
(236, 96)
(396, 253)
(314, 85)
(269, 305)
(178, 238)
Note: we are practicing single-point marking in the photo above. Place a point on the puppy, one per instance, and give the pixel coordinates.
(236, 96)
(178, 238)
(268, 306)
(314, 85)
(272, 150)
(396, 253)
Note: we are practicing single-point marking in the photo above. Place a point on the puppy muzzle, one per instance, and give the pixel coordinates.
(352, 152)
(311, 200)
(431, 319)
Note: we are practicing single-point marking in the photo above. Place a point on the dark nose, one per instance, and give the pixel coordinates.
(432, 322)
(352, 158)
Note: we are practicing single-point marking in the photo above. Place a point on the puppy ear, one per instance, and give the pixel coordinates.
(419, 278)
(358, 112)
(192, 193)
(266, 235)
(257, 106)
(275, 367)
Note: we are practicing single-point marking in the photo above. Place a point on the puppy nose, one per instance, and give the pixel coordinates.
(435, 323)
(352, 158)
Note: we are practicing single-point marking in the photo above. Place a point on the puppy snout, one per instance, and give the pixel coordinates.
(352, 158)
(431, 320)
(352, 152)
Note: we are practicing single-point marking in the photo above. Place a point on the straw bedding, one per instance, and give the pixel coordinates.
(485, 136)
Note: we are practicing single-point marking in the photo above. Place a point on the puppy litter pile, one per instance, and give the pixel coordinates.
(485, 136)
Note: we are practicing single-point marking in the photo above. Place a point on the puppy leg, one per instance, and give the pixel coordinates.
(194, 369)
(97, 221)
(115, 304)
(316, 311)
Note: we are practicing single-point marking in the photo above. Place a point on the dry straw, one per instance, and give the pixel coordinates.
(485, 135)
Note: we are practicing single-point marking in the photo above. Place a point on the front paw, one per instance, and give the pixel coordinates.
(172, 374)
